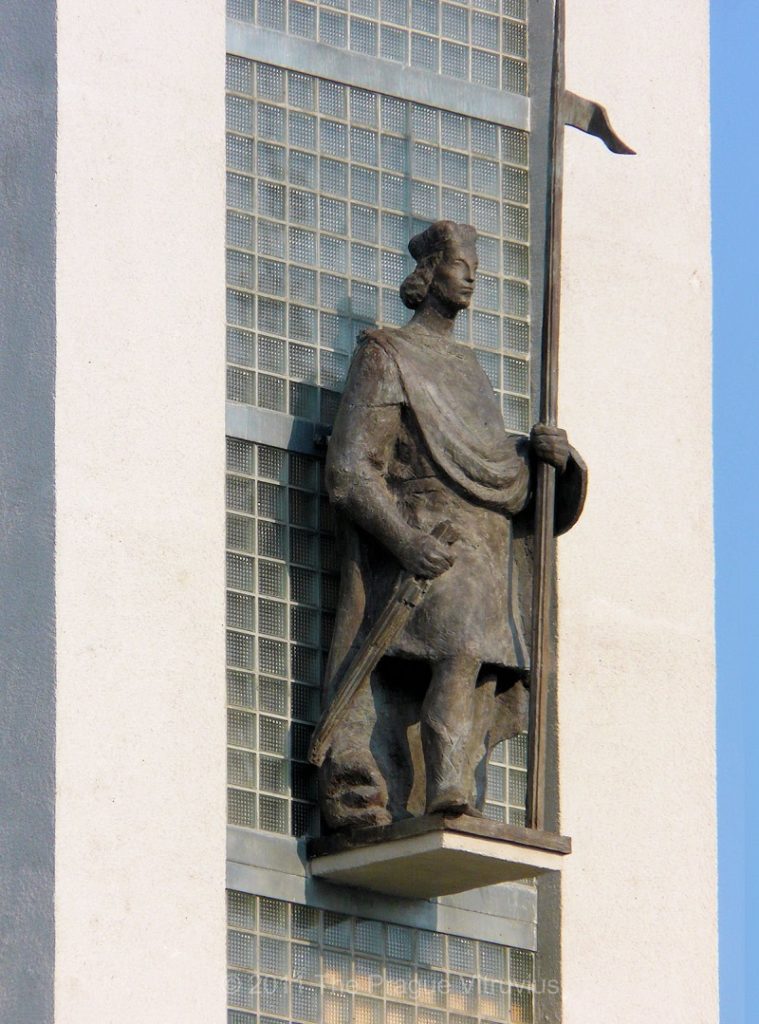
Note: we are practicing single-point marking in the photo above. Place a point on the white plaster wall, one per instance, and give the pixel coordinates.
(636, 575)
(140, 450)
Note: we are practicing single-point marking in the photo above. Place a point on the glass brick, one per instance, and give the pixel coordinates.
(272, 619)
(333, 29)
(395, 11)
(240, 456)
(368, 976)
(240, 533)
(274, 993)
(272, 14)
(305, 699)
(515, 9)
(517, 788)
(270, 122)
(363, 36)
(241, 950)
(485, 31)
(302, 246)
(302, 18)
(516, 222)
(304, 923)
(302, 169)
(368, 1011)
(240, 572)
(240, 229)
(306, 1003)
(303, 363)
(271, 393)
(399, 1013)
(273, 955)
(515, 185)
(302, 207)
(301, 91)
(393, 44)
(334, 177)
(400, 942)
(306, 963)
(303, 288)
(303, 323)
(485, 177)
(485, 68)
(369, 8)
(337, 930)
(241, 612)
(272, 659)
(241, 910)
(364, 185)
(462, 955)
(516, 375)
(455, 23)
(271, 279)
(272, 463)
(424, 52)
(364, 303)
(338, 1008)
(486, 214)
(424, 15)
(514, 38)
(430, 949)
(332, 98)
(241, 768)
(454, 60)
(455, 206)
(521, 1006)
(240, 153)
(241, 729)
(241, 347)
(240, 494)
(496, 784)
(516, 298)
(239, 114)
(305, 664)
(272, 695)
(304, 819)
(394, 114)
(516, 413)
(242, 989)
(363, 107)
(304, 401)
(241, 650)
(241, 10)
(271, 200)
(364, 146)
(514, 76)
(241, 308)
(272, 579)
(516, 336)
(333, 216)
(302, 130)
(364, 222)
(516, 260)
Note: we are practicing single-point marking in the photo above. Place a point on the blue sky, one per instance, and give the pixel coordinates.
(735, 140)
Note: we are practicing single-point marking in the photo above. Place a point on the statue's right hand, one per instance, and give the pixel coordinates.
(425, 556)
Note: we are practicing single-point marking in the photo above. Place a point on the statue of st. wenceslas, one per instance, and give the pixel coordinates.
(432, 494)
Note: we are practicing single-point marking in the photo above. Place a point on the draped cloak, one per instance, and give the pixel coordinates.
(447, 457)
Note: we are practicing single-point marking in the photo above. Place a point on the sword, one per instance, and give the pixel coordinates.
(406, 595)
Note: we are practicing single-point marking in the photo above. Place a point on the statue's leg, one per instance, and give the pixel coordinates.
(501, 709)
(446, 723)
(352, 790)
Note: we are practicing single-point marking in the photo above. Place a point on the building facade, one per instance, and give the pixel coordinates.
(153, 849)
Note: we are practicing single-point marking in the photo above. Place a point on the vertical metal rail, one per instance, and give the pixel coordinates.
(545, 541)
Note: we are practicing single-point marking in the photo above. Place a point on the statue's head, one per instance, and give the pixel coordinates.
(446, 264)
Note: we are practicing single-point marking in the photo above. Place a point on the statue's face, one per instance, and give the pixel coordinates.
(454, 278)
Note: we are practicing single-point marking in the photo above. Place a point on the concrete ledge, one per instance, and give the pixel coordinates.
(435, 856)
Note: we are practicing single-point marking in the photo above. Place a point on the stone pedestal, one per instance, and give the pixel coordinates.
(420, 858)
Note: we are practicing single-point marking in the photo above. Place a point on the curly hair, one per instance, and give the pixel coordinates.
(415, 287)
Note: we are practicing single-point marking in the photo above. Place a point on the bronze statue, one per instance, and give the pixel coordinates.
(429, 666)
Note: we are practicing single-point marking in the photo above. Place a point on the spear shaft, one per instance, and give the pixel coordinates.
(545, 492)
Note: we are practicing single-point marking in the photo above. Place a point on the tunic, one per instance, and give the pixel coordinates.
(420, 434)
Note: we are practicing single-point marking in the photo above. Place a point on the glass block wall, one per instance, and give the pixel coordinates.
(301, 964)
(326, 184)
(282, 588)
(483, 42)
